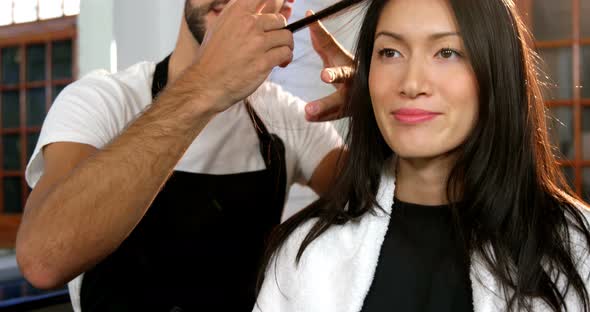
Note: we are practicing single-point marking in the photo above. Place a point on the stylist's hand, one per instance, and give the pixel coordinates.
(337, 71)
(238, 53)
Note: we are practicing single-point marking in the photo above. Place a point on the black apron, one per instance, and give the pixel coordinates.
(199, 246)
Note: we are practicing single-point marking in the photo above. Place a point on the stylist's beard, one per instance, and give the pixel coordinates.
(195, 17)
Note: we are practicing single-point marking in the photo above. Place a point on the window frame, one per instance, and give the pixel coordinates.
(22, 35)
(576, 102)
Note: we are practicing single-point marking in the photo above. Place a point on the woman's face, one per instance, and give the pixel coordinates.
(423, 89)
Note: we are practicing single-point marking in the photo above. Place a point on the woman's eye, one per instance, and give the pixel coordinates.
(448, 53)
(389, 53)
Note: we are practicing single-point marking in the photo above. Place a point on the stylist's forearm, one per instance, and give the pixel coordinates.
(87, 215)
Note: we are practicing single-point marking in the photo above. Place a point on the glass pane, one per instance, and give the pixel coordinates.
(557, 65)
(552, 20)
(35, 107)
(584, 13)
(25, 11)
(10, 109)
(62, 59)
(50, 9)
(586, 132)
(5, 12)
(10, 290)
(32, 139)
(569, 174)
(36, 62)
(56, 91)
(11, 144)
(10, 62)
(12, 195)
(561, 126)
(585, 68)
(18, 289)
(586, 184)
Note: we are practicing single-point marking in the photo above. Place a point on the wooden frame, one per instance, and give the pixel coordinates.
(577, 100)
(577, 103)
(23, 35)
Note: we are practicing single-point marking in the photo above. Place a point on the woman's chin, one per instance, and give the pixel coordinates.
(417, 152)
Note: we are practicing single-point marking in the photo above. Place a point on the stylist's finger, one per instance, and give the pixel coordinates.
(327, 108)
(326, 46)
(280, 56)
(269, 22)
(338, 74)
(278, 38)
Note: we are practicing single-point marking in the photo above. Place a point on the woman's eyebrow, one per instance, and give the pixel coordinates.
(444, 34)
(435, 36)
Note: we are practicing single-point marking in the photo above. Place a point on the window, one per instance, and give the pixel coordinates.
(37, 60)
(563, 42)
(23, 11)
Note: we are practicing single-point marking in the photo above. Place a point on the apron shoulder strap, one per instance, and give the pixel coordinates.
(272, 150)
(160, 77)
(256, 121)
(271, 147)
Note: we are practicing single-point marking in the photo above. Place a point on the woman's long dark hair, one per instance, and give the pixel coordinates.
(516, 211)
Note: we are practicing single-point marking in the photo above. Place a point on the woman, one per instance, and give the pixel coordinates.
(450, 198)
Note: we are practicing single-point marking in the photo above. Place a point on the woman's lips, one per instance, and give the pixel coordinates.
(413, 115)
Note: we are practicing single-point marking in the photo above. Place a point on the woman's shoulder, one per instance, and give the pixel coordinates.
(575, 232)
(339, 245)
(326, 242)
(344, 240)
(341, 256)
(580, 251)
(579, 244)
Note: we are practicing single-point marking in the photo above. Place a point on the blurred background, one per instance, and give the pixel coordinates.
(47, 44)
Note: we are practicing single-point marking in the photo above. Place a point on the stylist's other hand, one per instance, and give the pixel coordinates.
(337, 71)
(238, 53)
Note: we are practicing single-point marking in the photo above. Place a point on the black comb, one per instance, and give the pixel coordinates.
(335, 8)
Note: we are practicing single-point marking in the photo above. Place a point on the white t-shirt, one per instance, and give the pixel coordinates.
(97, 108)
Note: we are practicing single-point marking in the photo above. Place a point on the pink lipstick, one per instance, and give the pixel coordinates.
(413, 115)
